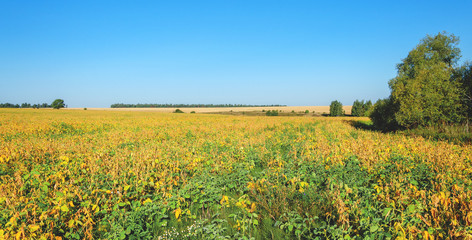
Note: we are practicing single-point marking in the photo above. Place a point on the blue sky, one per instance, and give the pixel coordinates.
(96, 53)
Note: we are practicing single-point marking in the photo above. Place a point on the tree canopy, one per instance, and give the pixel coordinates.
(58, 103)
(361, 108)
(425, 91)
(336, 108)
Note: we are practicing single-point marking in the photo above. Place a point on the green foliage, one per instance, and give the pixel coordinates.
(383, 115)
(361, 108)
(134, 220)
(192, 112)
(272, 113)
(423, 90)
(178, 111)
(24, 105)
(336, 109)
(368, 107)
(456, 133)
(58, 103)
(464, 76)
(428, 90)
(306, 111)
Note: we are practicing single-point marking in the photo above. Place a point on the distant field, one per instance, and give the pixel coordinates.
(317, 109)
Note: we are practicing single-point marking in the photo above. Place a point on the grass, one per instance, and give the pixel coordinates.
(457, 133)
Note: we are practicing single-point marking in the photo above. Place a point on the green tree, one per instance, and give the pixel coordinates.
(58, 103)
(358, 108)
(464, 77)
(336, 108)
(424, 92)
(383, 115)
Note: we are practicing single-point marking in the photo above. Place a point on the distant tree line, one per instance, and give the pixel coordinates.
(58, 103)
(24, 105)
(167, 105)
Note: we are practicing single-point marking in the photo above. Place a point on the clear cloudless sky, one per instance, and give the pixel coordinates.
(303, 52)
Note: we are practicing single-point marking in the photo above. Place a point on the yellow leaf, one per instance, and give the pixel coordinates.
(33, 228)
(64, 208)
(71, 223)
(178, 211)
(253, 207)
(224, 199)
(126, 188)
(71, 204)
(425, 235)
(18, 235)
(147, 201)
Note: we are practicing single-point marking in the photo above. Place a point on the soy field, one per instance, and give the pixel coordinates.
(75, 174)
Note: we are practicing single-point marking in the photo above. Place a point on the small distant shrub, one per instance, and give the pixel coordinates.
(272, 113)
(192, 112)
(85, 108)
(306, 111)
(293, 111)
(178, 111)
(263, 110)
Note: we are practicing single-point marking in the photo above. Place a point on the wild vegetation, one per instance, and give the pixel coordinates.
(144, 175)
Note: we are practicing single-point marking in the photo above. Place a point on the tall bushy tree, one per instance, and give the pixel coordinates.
(424, 92)
(383, 114)
(368, 108)
(58, 103)
(464, 77)
(336, 108)
(357, 108)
